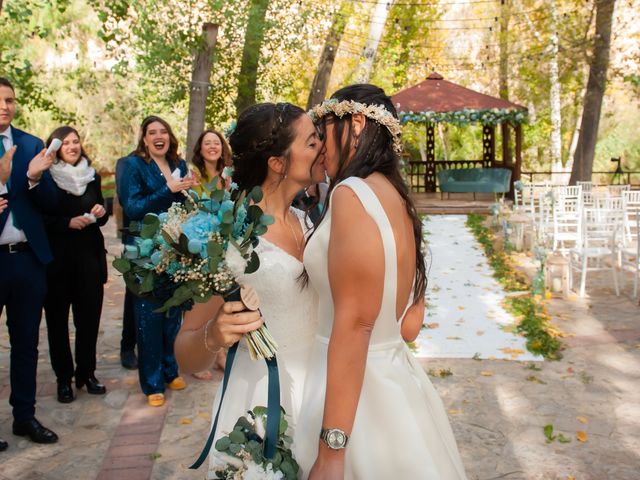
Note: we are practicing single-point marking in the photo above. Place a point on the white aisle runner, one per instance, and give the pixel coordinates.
(464, 317)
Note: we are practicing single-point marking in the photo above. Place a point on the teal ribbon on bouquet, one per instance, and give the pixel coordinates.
(273, 404)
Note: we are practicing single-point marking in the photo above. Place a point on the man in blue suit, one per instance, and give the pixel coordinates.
(24, 251)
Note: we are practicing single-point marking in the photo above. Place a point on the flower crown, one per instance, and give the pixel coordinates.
(377, 113)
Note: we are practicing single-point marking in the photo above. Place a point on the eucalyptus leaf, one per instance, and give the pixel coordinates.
(122, 265)
(260, 230)
(256, 194)
(217, 195)
(147, 283)
(267, 220)
(254, 212)
(253, 264)
(222, 445)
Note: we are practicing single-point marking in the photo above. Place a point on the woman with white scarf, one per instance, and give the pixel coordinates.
(76, 277)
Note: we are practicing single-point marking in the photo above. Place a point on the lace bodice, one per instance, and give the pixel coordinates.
(289, 308)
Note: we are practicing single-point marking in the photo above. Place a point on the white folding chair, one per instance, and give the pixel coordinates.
(567, 218)
(628, 247)
(597, 243)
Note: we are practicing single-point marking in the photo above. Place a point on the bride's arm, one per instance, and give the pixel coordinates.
(412, 322)
(226, 323)
(356, 274)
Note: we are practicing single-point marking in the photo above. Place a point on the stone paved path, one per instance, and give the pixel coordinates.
(497, 407)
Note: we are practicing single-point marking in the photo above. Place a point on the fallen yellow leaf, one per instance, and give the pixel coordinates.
(582, 419)
(581, 436)
(548, 295)
(461, 307)
(204, 415)
(185, 421)
(433, 325)
(486, 373)
(479, 333)
(514, 352)
(453, 411)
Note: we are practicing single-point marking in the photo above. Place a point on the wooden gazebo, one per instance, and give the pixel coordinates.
(437, 100)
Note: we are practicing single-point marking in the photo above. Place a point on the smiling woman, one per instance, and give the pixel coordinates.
(76, 276)
(210, 155)
(155, 178)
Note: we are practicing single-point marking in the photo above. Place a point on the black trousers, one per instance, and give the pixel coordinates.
(76, 284)
(128, 342)
(22, 291)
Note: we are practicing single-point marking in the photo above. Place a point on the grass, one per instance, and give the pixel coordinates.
(533, 320)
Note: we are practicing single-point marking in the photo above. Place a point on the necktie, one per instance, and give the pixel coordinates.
(2, 149)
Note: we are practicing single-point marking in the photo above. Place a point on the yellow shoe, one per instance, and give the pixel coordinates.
(156, 399)
(178, 383)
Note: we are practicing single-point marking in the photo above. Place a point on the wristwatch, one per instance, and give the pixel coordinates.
(334, 438)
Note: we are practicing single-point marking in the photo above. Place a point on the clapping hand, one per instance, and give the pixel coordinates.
(79, 222)
(98, 211)
(39, 164)
(178, 185)
(5, 165)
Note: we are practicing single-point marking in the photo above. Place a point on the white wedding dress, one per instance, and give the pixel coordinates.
(290, 312)
(401, 429)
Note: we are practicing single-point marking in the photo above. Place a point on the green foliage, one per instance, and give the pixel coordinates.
(533, 322)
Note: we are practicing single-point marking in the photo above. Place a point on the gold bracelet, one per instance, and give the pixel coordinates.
(206, 344)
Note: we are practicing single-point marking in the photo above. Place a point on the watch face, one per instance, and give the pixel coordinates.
(335, 439)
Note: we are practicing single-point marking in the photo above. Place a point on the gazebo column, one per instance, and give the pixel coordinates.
(488, 145)
(507, 158)
(517, 169)
(430, 167)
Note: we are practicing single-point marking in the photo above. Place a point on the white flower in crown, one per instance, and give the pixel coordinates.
(377, 113)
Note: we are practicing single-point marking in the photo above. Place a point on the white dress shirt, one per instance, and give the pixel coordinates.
(10, 234)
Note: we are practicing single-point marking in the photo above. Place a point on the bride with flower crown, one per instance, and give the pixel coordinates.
(369, 411)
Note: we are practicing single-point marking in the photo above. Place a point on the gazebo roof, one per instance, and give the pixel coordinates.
(438, 95)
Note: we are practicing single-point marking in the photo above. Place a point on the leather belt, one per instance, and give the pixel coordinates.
(15, 247)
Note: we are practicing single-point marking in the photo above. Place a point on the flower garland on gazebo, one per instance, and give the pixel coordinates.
(491, 116)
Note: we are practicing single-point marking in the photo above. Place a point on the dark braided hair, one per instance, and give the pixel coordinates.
(374, 154)
(263, 131)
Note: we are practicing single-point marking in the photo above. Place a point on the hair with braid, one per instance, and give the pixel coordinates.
(374, 154)
(263, 131)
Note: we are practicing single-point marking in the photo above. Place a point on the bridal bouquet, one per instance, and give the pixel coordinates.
(198, 249)
(242, 451)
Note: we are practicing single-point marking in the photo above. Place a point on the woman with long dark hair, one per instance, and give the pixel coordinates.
(211, 154)
(156, 177)
(76, 276)
(366, 397)
(274, 147)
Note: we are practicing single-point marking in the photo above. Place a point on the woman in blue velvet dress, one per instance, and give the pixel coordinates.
(151, 186)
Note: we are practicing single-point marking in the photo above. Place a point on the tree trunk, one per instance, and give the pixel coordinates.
(248, 77)
(200, 86)
(555, 100)
(503, 80)
(596, 85)
(320, 83)
(376, 29)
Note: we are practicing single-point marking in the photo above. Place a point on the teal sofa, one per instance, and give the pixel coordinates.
(493, 180)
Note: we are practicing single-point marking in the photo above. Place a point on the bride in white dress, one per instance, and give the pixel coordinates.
(377, 414)
(274, 146)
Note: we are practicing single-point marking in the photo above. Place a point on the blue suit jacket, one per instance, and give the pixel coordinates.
(26, 204)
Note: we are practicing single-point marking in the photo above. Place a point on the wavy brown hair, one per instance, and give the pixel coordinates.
(198, 159)
(374, 154)
(141, 149)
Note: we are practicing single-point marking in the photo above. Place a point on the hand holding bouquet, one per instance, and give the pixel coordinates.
(198, 249)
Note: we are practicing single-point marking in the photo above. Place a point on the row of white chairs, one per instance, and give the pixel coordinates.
(596, 228)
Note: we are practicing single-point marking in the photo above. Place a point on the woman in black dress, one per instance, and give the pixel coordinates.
(76, 277)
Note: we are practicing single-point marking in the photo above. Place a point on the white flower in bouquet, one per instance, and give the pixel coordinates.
(236, 262)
